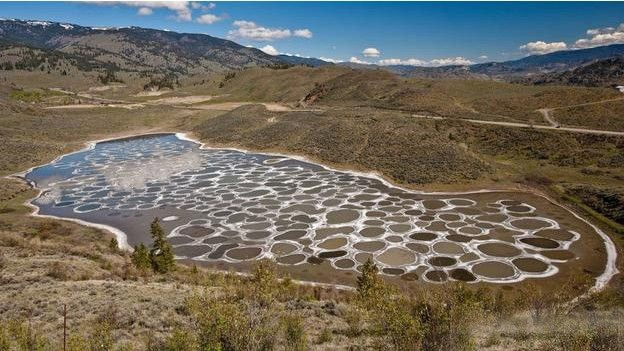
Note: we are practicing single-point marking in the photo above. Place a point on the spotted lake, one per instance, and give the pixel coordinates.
(227, 208)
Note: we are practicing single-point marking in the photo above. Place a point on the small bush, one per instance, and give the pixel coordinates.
(370, 287)
(264, 282)
(295, 338)
(181, 340)
(77, 342)
(113, 245)
(355, 321)
(325, 336)
(101, 338)
(59, 270)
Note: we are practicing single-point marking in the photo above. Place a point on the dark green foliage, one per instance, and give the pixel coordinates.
(7, 66)
(161, 254)
(141, 257)
(228, 76)
(169, 80)
(280, 66)
(606, 201)
(109, 77)
(113, 245)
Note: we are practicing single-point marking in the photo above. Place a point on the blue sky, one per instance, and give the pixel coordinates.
(420, 33)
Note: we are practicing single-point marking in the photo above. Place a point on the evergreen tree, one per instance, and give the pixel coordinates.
(161, 254)
(141, 257)
(113, 245)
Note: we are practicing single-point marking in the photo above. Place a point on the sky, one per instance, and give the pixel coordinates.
(415, 33)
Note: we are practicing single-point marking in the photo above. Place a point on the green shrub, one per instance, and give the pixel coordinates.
(264, 282)
(59, 270)
(295, 338)
(181, 340)
(370, 287)
(24, 337)
(26, 96)
(113, 245)
(77, 342)
(397, 325)
(325, 336)
(227, 323)
(101, 337)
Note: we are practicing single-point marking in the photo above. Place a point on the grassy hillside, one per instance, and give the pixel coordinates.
(406, 149)
(608, 115)
(345, 87)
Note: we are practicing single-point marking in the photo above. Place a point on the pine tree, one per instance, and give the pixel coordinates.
(161, 254)
(113, 245)
(141, 257)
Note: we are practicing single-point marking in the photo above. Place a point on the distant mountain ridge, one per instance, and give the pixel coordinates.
(46, 45)
(552, 62)
(135, 48)
(306, 61)
(514, 70)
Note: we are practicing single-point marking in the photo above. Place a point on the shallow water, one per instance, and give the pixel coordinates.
(224, 205)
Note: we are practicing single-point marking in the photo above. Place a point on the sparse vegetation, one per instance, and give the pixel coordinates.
(116, 302)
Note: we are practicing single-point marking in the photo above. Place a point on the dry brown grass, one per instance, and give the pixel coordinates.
(45, 264)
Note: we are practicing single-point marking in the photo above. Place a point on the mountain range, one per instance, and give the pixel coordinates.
(134, 48)
(46, 46)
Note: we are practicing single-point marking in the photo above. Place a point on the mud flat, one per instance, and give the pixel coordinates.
(227, 208)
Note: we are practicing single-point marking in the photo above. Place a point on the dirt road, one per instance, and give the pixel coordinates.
(546, 112)
(524, 125)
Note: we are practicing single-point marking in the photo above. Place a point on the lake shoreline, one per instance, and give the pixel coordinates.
(601, 281)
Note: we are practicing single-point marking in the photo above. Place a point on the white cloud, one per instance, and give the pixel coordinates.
(303, 33)
(451, 61)
(203, 7)
(268, 49)
(250, 30)
(181, 8)
(435, 62)
(408, 62)
(208, 18)
(328, 59)
(602, 36)
(354, 59)
(145, 11)
(540, 47)
(371, 52)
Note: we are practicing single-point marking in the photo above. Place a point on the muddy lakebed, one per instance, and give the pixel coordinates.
(229, 208)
